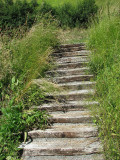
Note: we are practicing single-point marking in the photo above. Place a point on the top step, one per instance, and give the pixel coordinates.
(72, 45)
(71, 48)
(71, 54)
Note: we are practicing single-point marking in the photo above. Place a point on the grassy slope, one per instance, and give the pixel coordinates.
(104, 40)
(21, 61)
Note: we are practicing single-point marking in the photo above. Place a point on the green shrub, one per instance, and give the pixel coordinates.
(17, 13)
(46, 8)
(85, 11)
(15, 121)
(78, 15)
(70, 15)
(10, 124)
(66, 15)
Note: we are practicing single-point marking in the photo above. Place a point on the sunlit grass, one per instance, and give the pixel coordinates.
(108, 7)
(104, 40)
(58, 2)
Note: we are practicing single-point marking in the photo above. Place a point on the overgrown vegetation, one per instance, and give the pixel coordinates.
(28, 35)
(21, 61)
(69, 15)
(17, 13)
(105, 64)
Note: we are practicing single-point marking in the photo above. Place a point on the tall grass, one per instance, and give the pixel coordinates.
(23, 60)
(104, 41)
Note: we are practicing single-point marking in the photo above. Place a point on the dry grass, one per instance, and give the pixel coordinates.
(72, 36)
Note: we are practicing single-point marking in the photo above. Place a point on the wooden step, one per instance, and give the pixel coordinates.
(71, 117)
(72, 78)
(66, 131)
(72, 65)
(67, 106)
(68, 72)
(62, 147)
(72, 59)
(81, 157)
(71, 54)
(71, 49)
(75, 95)
(78, 85)
(72, 45)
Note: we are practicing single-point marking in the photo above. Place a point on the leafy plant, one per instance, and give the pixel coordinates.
(15, 121)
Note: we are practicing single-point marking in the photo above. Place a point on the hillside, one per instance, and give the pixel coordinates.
(29, 34)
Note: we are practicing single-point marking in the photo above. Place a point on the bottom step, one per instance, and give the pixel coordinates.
(63, 147)
(82, 157)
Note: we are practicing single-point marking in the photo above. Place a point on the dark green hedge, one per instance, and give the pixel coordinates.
(18, 13)
(72, 16)
(15, 14)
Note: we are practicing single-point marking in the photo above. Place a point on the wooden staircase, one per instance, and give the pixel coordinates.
(73, 135)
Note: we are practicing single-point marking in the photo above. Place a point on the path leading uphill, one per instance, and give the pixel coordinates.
(73, 135)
